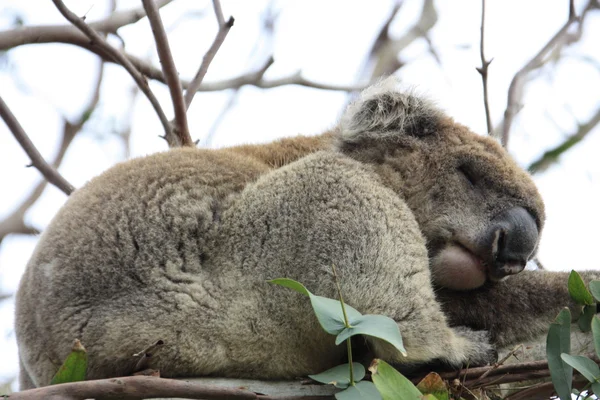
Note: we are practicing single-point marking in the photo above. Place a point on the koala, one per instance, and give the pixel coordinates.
(425, 221)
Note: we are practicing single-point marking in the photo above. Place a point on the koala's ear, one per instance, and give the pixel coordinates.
(383, 112)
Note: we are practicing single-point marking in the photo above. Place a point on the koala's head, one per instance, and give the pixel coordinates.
(480, 213)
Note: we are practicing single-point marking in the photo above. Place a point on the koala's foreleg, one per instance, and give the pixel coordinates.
(515, 310)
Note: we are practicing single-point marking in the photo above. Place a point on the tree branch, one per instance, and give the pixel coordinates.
(49, 172)
(181, 135)
(552, 156)
(118, 57)
(250, 78)
(57, 33)
(224, 28)
(15, 222)
(385, 51)
(132, 387)
(483, 71)
(515, 91)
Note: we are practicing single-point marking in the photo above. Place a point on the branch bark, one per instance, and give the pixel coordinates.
(180, 135)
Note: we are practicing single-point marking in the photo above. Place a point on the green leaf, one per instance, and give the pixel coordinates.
(391, 383)
(595, 289)
(328, 311)
(586, 367)
(596, 388)
(596, 333)
(378, 326)
(291, 284)
(74, 367)
(558, 342)
(585, 319)
(340, 376)
(363, 390)
(578, 291)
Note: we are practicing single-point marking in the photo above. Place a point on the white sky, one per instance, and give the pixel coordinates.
(328, 41)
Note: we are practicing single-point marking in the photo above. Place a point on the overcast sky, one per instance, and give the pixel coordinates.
(327, 41)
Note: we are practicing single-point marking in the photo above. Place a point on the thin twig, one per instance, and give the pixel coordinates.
(501, 362)
(552, 156)
(483, 71)
(224, 28)
(118, 57)
(49, 172)
(146, 355)
(181, 131)
(515, 90)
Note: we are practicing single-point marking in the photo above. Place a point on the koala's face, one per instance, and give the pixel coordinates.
(481, 214)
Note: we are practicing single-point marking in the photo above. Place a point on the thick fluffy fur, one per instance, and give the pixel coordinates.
(178, 246)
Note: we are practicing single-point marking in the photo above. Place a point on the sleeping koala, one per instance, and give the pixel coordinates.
(423, 219)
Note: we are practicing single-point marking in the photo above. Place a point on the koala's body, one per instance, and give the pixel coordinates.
(411, 207)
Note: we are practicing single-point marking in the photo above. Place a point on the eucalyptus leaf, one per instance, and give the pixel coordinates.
(363, 390)
(596, 333)
(378, 326)
(585, 319)
(392, 384)
(74, 367)
(340, 376)
(328, 311)
(559, 341)
(595, 289)
(578, 291)
(586, 367)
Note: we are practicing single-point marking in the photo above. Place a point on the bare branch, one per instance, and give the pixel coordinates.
(224, 28)
(15, 222)
(151, 72)
(182, 134)
(49, 172)
(483, 71)
(386, 55)
(516, 88)
(58, 33)
(118, 57)
(552, 156)
(132, 387)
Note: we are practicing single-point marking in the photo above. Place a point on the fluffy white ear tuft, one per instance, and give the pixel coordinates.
(382, 111)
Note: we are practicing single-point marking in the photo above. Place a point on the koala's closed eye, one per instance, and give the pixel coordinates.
(468, 172)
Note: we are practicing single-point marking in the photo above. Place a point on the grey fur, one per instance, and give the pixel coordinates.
(179, 245)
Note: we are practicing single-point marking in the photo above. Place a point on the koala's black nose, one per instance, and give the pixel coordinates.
(512, 239)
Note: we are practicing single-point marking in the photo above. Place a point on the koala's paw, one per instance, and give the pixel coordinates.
(477, 350)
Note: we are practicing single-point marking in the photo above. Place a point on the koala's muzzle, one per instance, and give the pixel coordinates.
(511, 241)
